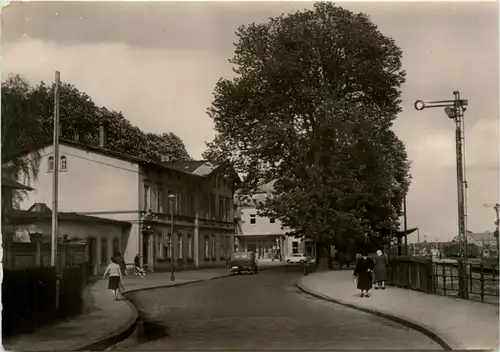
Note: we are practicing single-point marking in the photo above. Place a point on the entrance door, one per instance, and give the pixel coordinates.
(145, 249)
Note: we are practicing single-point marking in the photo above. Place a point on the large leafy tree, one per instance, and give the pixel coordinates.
(33, 116)
(311, 107)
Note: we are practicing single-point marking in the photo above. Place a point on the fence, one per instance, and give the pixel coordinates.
(31, 298)
(477, 281)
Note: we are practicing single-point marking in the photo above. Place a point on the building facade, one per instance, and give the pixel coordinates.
(261, 235)
(97, 182)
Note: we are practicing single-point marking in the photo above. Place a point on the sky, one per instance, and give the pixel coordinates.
(158, 63)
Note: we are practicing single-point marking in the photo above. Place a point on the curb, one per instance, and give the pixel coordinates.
(178, 284)
(415, 326)
(128, 328)
(120, 334)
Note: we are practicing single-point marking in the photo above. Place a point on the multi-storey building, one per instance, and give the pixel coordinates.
(266, 236)
(96, 181)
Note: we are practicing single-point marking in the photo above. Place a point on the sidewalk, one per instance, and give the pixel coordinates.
(454, 323)
(105, 319)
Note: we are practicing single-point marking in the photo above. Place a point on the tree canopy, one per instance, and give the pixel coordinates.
(311, 107)
(27, 120)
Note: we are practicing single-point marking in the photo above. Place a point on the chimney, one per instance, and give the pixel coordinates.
(103, 135)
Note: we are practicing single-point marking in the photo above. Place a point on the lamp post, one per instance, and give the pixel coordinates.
(496, 207)
(172, 198)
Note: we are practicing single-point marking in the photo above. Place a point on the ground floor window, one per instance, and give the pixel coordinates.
(190, 246)
(213, 247)
(295, 247)
(222, 249)
(179, 246)
(168, 245)
(206, 246)
(159, 245)
(104, 251)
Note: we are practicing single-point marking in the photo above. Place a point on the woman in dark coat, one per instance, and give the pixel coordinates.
(363, 274)
(380, 270)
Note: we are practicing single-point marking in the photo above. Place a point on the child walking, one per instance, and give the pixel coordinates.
(115, 277)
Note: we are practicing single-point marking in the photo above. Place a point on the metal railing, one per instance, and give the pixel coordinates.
(473, 280)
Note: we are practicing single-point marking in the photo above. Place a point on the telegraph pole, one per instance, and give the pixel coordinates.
(55, 172)
(405, 225)
(455, 110)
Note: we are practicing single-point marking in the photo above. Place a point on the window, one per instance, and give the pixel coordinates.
(179, 246)
(159, 245)
(64, 163)
(222, 250)
(295, 247)
(190, 205)
(146, 196)
(116, 245)
(253, 219)
(104, 250)
(168, 244)
(206, 206)
(159, 200)
(206, 248)
(213, 247)
(212, 207)
(190, 246)
(272, 220)
(178, 203)
(50, 164)
(221, 209)
(227, 212)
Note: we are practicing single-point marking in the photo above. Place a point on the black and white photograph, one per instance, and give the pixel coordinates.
(250, 175)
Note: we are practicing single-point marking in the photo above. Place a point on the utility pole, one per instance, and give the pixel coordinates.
(455, 110)
(55, 172)
(406, 225)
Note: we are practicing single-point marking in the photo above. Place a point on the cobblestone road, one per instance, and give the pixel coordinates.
(265, 312)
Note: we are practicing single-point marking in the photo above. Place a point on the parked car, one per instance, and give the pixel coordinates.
(296, 258)
(243, 262)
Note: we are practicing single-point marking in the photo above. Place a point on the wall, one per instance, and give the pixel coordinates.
(262, 226)
(107, 232)
(94, 184)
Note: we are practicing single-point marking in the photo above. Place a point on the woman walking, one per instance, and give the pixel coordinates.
(115, 277)
(363, 274)
(380, 270)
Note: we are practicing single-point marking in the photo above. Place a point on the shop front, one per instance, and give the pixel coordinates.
(264, 246)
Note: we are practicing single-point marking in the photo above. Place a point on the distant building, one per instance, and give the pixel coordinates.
(262, 235)
(266, 236)
(98, 182)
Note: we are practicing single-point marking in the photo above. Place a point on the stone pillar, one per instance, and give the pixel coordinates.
(37, 239)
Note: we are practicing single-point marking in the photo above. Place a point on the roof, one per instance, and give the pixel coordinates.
(185, 166)
(8, 183)
(483, 236)
(46, 215)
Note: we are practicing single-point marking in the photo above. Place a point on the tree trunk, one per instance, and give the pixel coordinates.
(323, 257)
